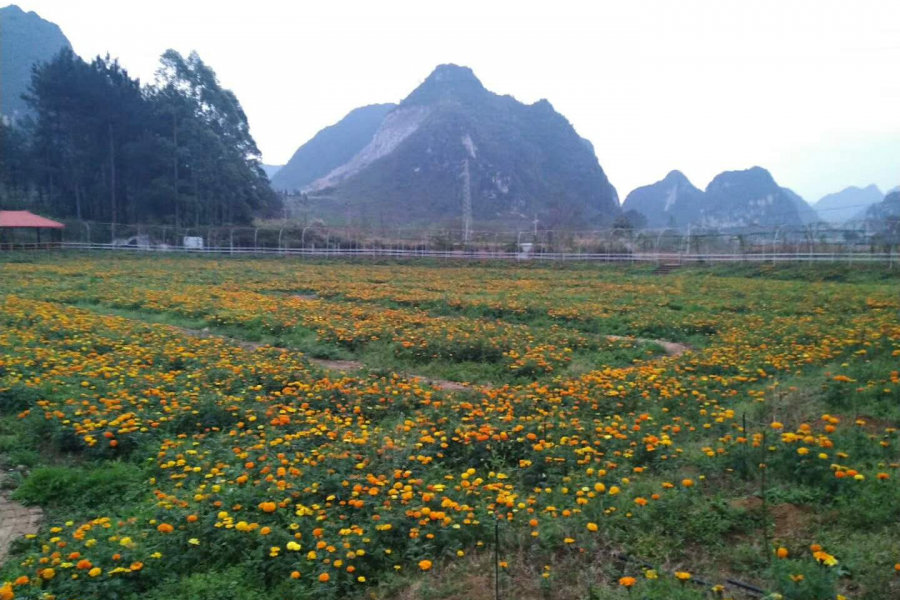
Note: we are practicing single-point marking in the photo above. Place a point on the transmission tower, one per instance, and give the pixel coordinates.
(467, 202)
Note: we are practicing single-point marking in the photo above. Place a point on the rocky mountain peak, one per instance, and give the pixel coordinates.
(447, 82)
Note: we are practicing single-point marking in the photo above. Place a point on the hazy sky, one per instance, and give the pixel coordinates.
(809, 90)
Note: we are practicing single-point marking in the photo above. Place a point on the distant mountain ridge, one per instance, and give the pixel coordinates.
(848, 204)
(888, 208)
(451, 143)
(332, 147)
(271, 170)
(732, 200)
(25, 39)
(670, 202)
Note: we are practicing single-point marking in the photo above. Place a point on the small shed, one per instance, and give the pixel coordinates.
(11, 220)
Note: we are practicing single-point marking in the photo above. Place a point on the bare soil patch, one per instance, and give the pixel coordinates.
(670, 348)
(15, 521)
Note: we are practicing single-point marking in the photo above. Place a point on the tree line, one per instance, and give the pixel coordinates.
(100, 146)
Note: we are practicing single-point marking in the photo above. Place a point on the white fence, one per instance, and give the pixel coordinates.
(886, 258)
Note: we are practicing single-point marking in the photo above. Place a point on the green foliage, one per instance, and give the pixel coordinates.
(104, 148)
(105, 486)
(228, 584)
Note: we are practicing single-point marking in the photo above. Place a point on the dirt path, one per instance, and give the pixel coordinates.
(342, 366)
(15, 521)
(670, 348)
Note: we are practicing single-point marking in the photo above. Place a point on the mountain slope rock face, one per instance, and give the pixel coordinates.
(25, 39)
(331, 147)
(807, 213)
(452, 143)
(671, 202)
(848, 204)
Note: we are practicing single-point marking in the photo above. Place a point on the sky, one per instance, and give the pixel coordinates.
(809, 90)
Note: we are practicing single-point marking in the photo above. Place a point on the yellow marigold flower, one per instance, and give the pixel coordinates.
(592, 527)
(682, 575)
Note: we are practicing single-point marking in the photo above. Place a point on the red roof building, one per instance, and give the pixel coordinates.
(22, 219)
(15, 220)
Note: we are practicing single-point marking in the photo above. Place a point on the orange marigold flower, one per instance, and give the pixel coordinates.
(782, 552)
(324, 577)
(425, 564)
(627, 582)
(165, 528)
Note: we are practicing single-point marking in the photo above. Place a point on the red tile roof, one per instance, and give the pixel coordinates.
(23, 218)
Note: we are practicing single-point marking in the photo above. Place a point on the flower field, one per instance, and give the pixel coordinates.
(171, 419)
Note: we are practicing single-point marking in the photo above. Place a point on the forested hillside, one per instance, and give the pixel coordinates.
(101, 146)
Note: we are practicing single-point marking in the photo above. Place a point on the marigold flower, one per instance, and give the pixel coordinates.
(682, 575)
(782, 552)
(425, 564)
(592, 527)
(165, 528)
(627, 582)
(324, 577)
